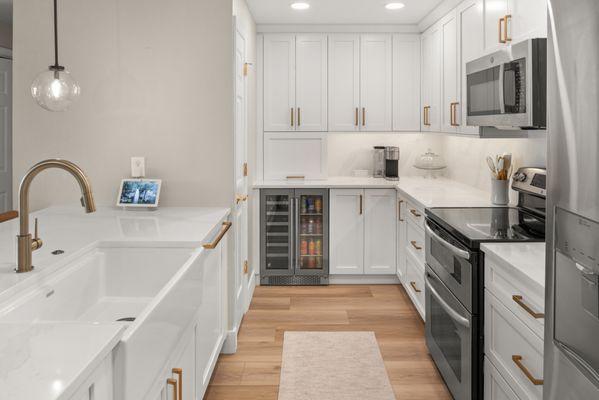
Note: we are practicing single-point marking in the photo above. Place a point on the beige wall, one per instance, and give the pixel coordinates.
(156, 81)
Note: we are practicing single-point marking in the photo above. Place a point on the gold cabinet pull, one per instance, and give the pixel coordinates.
(517, 359)
(246, 267)
(414, 245)
(413, 284)
(245, 169)
(296, 177)
(299, 116)
(173, 383)
(363, 116)
(520, 301)
(453, 110)
(357, 121)
(500, 25)
(506, 37)
(223, 230)
(399, 210)
(240, 197)
(291, 113)
(179, 373)
(361, 209)
(427, 115)
(415, 213)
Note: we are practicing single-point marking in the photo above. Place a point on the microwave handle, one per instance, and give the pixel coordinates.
(501, 83)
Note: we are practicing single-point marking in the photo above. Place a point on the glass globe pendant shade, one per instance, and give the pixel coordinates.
(55, 89)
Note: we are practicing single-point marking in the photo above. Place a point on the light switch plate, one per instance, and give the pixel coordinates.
(138, 167)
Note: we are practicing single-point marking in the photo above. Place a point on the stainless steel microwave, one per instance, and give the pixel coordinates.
(508, 88)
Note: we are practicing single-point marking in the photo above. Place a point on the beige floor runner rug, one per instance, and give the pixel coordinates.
(333, 366)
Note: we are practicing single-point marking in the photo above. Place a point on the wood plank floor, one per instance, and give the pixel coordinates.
(253, 372)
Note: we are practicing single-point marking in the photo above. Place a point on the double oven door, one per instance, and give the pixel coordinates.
(453, 333)
(294, 232)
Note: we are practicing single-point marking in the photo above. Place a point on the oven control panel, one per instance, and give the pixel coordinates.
(530, 180)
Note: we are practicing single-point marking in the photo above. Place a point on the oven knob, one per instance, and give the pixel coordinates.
(519, 176)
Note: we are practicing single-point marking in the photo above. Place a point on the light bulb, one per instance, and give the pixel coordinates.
(55, 90)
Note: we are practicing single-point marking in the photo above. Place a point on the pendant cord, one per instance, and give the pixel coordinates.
(55, 35)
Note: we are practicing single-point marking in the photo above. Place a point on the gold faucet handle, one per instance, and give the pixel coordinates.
(36, 242)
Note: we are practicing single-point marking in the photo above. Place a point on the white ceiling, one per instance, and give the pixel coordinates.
(340, 11)
(6, 11)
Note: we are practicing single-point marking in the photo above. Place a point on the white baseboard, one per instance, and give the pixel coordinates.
(363, 279)
(230, 344)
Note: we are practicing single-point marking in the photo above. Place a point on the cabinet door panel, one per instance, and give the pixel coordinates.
(431, 79)
(375, 82)
(380, 231)
(406, 82)
(344, 82)
(493, 10)
(295, 154)
(279, 83)
(187, 364)
(471, 46)
(347, 231)
(529, 19)
(402, 240)
(311, 82)
(449, 72)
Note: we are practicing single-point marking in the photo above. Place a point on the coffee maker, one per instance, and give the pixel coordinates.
(392, 163)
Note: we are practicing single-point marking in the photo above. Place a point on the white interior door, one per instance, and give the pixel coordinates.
(347, 231)
(449, 73)
(279, 83)
(344, 82)
(375, 82)
(311, 82)
(380, 243)
(240, 212)
(5, 135)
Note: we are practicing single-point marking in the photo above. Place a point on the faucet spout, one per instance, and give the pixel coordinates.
(26, 244)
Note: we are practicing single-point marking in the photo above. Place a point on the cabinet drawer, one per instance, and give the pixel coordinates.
(414, 283)
(496, 388)
(416, 215)
(521, 300)
(415, 242)
(514, 349)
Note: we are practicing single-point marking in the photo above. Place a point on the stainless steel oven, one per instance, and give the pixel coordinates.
(508, 88)
(452, 329)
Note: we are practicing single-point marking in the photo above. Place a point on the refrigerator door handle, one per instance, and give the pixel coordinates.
(292, 233)
(296, 234)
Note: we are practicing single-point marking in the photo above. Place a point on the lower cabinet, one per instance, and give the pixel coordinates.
(401, 239)
(363, 231)
(496, 388)
(414, 283)
(99, 385)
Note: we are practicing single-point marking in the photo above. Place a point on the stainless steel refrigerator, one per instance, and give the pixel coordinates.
(571, 367)
(294, 237)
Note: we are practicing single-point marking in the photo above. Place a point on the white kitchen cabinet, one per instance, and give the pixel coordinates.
(401, 239)
(344, 82)
(346, 231)
(414, 284)
(406, 82)
(449, 72)
(511, 21)
(380, 231)
(279, 82)
(376, 82)
(496, 388)
(311, 82)
(431, 79)
(471, 45)
(292, 155)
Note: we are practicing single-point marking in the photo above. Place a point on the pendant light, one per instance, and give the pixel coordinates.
(55, 89)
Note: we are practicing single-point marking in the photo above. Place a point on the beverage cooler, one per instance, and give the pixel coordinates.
(294, 237)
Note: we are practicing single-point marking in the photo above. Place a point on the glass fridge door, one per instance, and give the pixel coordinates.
(312, 232)
(277, 232)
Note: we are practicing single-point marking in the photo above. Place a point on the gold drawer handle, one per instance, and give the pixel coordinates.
(506, 38)
(413, 284)
(363, 116)
(415, 213)
(517, 359)
(361, 205)
(296, 177)
(414, 245)
(179, 372)
(500, 24)
(226, 226)
(519, 300)
(239, 198)
(173, 383)
(357, 122)
(291, 114)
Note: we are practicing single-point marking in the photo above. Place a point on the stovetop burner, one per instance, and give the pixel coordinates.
(489, 224)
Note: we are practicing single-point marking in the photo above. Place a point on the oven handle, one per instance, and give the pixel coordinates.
(452, 313)
(457, 251)
(501, 89)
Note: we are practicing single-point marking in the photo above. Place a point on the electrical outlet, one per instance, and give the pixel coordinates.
(138, 167)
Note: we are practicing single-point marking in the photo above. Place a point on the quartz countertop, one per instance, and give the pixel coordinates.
(426, 192)
(49, 361)
(524, 260)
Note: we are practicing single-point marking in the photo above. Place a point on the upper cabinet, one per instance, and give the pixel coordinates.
(450, 72)
(431, 79)
(295, 83)
(360, 82)
(508, 21)
(406, 82)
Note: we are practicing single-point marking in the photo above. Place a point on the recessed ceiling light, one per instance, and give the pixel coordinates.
(394, 6)
(300, 6)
